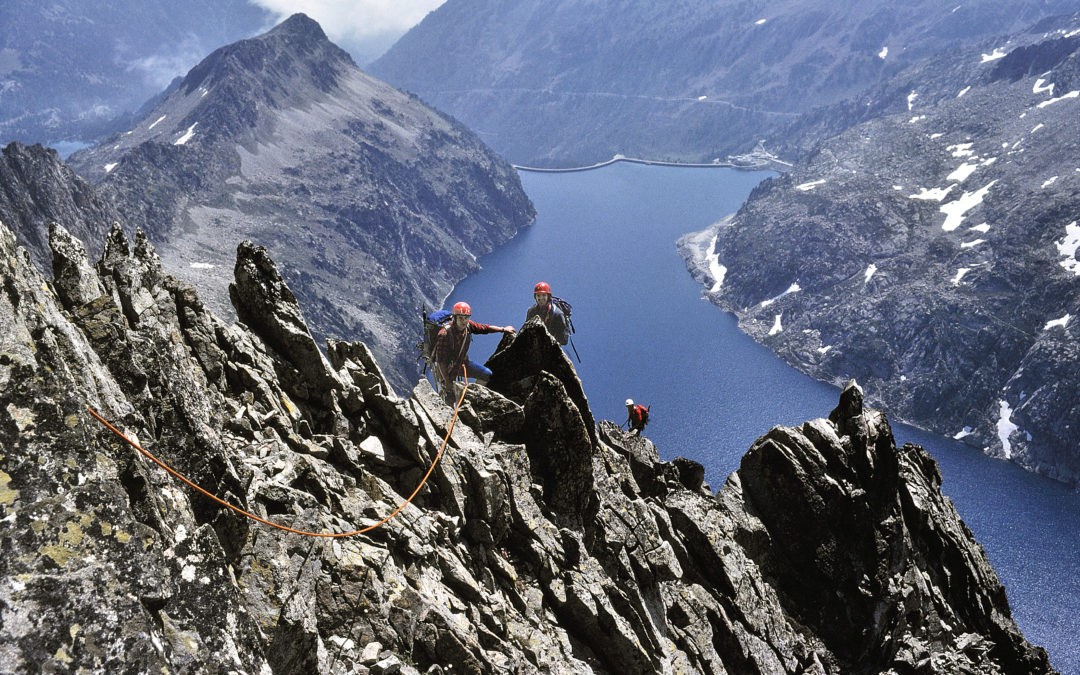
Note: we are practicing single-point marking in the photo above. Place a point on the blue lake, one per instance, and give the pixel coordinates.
(605, 241)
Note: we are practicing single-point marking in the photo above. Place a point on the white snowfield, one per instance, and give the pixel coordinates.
(934, 195)
(793, 288)
(187, 135)
(1005, 428)
(806, 187)
(998, 53)
(776, 327)
(954, 211)
(716, 270)
(1071, 94)
(1067, 247)
(1062, 322)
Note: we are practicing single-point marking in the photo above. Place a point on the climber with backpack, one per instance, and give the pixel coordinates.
(554, 312)
(550, 313)
(451, 350)
(637, 416)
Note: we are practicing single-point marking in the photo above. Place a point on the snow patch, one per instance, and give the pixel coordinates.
(963, 91)
(1063, 321)
(156, 122)
(1049, 181)
(937, 194)
(717, 270)
(806, 187)
(911, 99)
(1038, 126)
(954, 211)
(961, 150)
(963, 433)
(760, 21)
(110, 166)
(825, 349)
(960, 275)
(1071, 94)
(1067, 247)
(777, 326)
(962, 172)
(202, 266)
(969, 244)
(187, 135)
(883, 53)
(994, 55)
(1040, 87)
(917, 118)
(869, 273)
(984, 228)
(793, 288)
(1005, 428)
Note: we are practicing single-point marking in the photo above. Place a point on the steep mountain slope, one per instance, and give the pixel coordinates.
(374, 203)
(68, 68)
(37, 189)
(566, 82)
(932, 254)
(541, 543)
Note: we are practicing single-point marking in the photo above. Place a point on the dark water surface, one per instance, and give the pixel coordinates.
(605, 241)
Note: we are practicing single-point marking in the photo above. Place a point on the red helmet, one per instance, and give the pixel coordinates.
(542, 287)
(463, 308)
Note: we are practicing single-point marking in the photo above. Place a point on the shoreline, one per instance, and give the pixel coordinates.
(764, 165)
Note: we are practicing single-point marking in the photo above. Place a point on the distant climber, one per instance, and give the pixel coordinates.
(452, 348)
(637, 416)
(549, 312)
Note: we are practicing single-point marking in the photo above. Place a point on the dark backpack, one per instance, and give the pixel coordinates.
(565, 308)
(433, 323)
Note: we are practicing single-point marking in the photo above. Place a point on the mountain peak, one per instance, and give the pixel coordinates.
(298, 25)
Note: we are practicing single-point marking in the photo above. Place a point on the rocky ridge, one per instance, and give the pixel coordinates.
(36, 189)
(931, 253)
(376, 203)
(542, 542)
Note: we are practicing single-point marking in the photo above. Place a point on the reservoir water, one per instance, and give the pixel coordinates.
(605, 241)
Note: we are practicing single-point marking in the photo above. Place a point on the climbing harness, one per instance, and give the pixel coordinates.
(242, 512)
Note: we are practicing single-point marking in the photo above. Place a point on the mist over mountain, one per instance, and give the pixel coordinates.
(69, 68)
(931, 252)
(569, 83)
(374, 203)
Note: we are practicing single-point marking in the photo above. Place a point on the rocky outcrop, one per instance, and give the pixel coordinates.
(37, 189)
(931, 254)
(541, 542)
(376, 204)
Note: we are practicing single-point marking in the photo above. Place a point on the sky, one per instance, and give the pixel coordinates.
(364, 28)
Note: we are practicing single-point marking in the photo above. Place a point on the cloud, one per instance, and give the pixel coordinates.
(356, 21)
(159, 69)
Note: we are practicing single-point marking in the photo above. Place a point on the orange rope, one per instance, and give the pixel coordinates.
(283, 527)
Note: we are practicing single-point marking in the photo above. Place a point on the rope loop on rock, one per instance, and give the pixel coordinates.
(264, 521)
